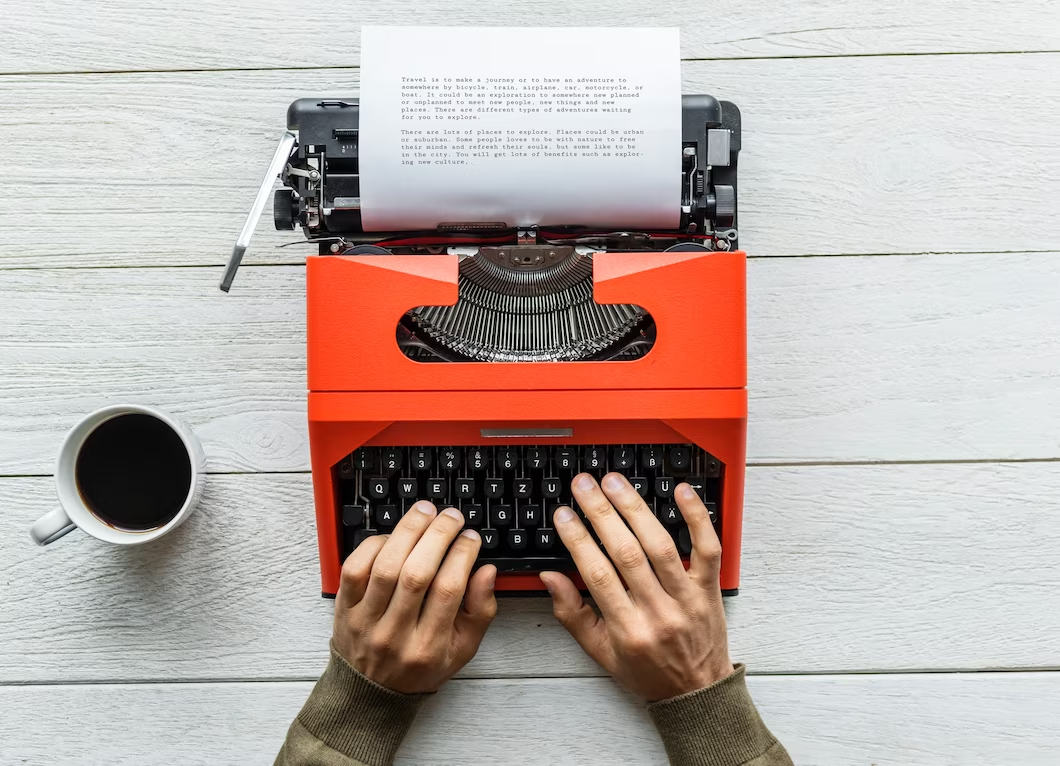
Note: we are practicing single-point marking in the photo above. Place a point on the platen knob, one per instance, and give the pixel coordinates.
(724, 206)
(284, 209)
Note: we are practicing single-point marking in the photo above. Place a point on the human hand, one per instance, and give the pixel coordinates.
(665, 635)
(398, 614)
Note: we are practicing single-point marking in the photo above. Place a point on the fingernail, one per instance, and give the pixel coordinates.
(491, 580)
(584, 482)
(563, 515)
(612, 482)
(548, 585)
(470, 534)
(686, 492)
(453, 513)
(424, 507)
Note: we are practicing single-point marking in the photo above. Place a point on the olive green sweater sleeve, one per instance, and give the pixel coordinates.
(349, 720)
(716, 726)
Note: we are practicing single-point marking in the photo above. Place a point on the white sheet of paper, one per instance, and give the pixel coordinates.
(549, 127)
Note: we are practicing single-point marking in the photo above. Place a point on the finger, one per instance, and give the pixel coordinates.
(706, 548)
(447, 590)
(421, 566)
(579, 619)
(654, 539)
(480, 607)
(596, 570)
(357, 569)
(388, 563)
(622, 545)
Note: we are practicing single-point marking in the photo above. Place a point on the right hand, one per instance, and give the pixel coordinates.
(666, 635)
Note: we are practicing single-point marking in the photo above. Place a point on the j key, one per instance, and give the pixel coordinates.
(363, 534)
(494, 488)
(473, 515)
(517, 539)
(408, 489)
(712, 509)
(680, 458)
(437, 488)
(552, 508)
(550, 488)
(621, 458)
(699, 484)
(651, 457)
(664, 487)
(523, 488)
(684, 542)
(536, 458)
(465, 488)
(476, 459)
(352, 515)
(490, 539)
(544, 539)
(378, 488)
(364, 459)
(565, 458)
(449, 459)
(392, 460)
(531, 515)
(501, 515)
(640, 484)
(422, 459)
(593, 458)
(386, 515)
(670, 514)
(507, 458)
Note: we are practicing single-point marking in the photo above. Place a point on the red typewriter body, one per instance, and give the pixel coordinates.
(364, 391)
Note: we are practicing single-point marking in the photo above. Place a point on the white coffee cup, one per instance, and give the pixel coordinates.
(75, 512)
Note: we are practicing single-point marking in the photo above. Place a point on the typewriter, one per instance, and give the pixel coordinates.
(483, 366)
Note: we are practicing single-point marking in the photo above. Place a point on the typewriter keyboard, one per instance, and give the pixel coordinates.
(509, 493)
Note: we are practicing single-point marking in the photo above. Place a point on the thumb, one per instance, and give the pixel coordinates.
(480, 607)
(571, 611)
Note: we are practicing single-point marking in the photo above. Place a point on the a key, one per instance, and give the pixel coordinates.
(507, 458)
(684, 542)
(523, 488)
(363, 534)
(392, 459)
(536, 458)
(621, 458)
(422, 459)
(465, 488)
(531, 515)
(712, 510)
(699, 484)
(364, 459)
(664, 487)
(437, 489)
(473, 516)
(501, 515)
(544, 539)
(494, 488)
(651, 457)
(670, 514)
(565, 458)
(378, 488)
(408, 489)
(476, 459)
(517, 539)
(386, 515)
(550, 488)
(449, 459)
(640, 484)
(680, 458)
(593, 459)
(490, 539)
(352, 515)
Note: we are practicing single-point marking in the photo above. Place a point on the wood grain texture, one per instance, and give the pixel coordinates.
(129, 35)
(845, 568)
(943, 357)
(885, 720)
(841, 156)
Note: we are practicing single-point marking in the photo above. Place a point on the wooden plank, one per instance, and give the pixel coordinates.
(845, 568)
(944, 357)
(886, 720)
(145, 34)
(866, 155)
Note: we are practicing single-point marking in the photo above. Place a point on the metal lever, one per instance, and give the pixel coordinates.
(279, 159)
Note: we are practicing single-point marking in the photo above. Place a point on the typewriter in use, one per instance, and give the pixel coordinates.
(482, 366)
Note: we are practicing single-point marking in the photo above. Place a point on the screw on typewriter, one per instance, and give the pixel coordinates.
(489, 362)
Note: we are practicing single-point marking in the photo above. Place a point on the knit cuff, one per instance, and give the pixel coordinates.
(356, 716)
(714, 726)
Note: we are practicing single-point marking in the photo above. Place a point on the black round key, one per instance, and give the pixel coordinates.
(544, 539)
(364, 459)
(378, 487)
(712, 510)
(621, 458)
(531, 515)
(408, 488)
(670, 514)
(517, 539)
(507, 458)
(640, 484)
(680, 458)
(437, 489)
(651, 457)
(422, 459)
(392, 459)
(522, 488)
(490, 539)
(353, 515)
(386, 515)
(494, 488)
(536, 458)
(565, 458)
(664, 487)
(593, 458)
(473, 516)
(449, 459)
(550, 487)
(501, 515)
(684, 542)
(363, 534)
(476, 458)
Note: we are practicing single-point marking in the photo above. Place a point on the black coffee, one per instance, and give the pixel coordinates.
(133, 472)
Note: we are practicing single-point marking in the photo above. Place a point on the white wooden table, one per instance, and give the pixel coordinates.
(900, 601)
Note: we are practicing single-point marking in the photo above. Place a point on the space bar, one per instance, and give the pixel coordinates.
(528, 564)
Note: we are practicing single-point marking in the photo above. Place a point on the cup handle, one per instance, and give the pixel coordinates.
(51, 526)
